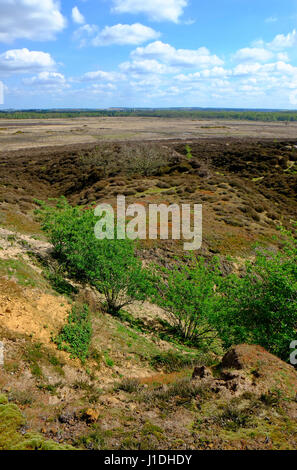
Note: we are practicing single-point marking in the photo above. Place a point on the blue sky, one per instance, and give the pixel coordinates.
(154, 53)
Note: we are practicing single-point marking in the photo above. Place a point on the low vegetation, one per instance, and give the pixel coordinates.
(186, 293)
(111, 266)
(75, 336)
(259, 307)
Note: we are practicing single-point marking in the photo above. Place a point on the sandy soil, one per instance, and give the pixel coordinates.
(17, 134)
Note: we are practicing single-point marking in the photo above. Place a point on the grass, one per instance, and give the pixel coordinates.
(129, 385)
(20, 271)
(36, 355)
(22, 223)
(127, 342)
(108, 361)
(181, 391)
(173, 361)
(11, 437)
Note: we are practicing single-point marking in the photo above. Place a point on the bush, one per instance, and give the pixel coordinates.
(129, 385)
(173, 361)
(59, 283)
(187, 294)
(136, 158)
(75, 336)
(261, 307)
(111, 266)
(144, 159)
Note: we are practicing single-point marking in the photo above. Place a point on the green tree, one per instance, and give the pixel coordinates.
(261, 307)
(187, 293)
(110, 265)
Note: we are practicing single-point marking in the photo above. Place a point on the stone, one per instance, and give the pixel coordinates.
(91, 415)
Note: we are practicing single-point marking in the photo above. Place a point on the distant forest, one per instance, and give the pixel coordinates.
(252, 115)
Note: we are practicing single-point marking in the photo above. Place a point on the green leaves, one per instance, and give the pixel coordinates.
(187, 294)
(109, 265)
(261, 307)
(75, 336)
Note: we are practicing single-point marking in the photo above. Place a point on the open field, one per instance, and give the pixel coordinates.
(16, 134)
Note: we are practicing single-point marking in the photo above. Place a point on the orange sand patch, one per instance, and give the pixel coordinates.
(31, 312)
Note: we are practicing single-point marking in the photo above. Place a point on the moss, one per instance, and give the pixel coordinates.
(37, 442)
(11, 421)
(3, 399)
(152, 429)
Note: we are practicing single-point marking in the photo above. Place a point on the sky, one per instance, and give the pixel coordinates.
(148, 53)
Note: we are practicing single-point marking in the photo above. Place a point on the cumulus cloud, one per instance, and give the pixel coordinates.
(280, 68)
(251, 54)
(25, 61)
(125, 34)
(146, 66)
(30, 19)
(77, 17)
(215, 72)
(177, 57)
(46, 79)
(85, 33)
(157, 10)
(282, 41)
(101, 76)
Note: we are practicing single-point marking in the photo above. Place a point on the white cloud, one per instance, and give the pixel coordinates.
(157, 10)
(101, 76)
(25, 61)
(282, 41)
(125, 34)
(265, 70)
(251, 54)
(282, 56)
(30, 19)
(84, 34)
(146, 66)
(215, 72)
(77, 17)
(246, 69)
(177, 57)
(46, 79)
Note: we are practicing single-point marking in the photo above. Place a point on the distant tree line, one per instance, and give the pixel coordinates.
(257, 115)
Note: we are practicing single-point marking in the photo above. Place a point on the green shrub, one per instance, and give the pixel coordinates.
(108, 361)
(173, 361)
(261, 307)
(129, 385)
(60, 285)
(75, 336)
(189, 152)
(109, 265)
(187, 294)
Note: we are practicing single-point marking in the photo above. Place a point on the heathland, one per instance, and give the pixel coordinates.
(136, 345)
